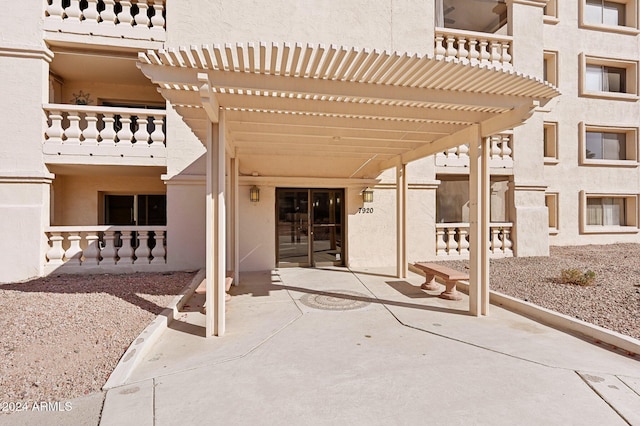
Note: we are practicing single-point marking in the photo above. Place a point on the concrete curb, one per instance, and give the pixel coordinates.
(562, 322)
(150, 335)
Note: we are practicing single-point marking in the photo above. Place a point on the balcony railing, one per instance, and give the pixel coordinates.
(78, 248)
(94, 131)
(142, 19)
(452, 239)
(500, 155)
(474, 48)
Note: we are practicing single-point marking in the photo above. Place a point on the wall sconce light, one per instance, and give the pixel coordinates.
(367, 195)
(254, 194)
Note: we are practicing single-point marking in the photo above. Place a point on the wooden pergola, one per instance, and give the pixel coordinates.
(376, 110)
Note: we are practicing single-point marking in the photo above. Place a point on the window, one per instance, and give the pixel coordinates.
(608, 78)
(604, 12)
(471, 15)
(610, 15)
(452, 200)
(551, 201)
(551, 12)
(608, 145)
(141, 210)
(550, 143)
(602, 78)
(609, 212)
(134, 210)
(550, 67)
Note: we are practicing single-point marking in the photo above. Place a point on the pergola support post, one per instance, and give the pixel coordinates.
(401, 220)
(479, 193)
(215, 229)
(235, 229)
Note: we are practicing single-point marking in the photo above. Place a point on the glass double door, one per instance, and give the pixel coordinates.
(309, 227)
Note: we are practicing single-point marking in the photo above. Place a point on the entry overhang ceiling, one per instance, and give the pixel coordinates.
(336, 101)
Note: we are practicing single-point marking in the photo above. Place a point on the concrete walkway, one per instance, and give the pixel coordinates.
(338, 347)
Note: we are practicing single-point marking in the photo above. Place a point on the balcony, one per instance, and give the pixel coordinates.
(138, 20)
(452, 240)
(475, 48)
(500, 155)
(85, 249)
(82, 134)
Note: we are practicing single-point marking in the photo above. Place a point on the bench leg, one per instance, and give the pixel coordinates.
(450, 293)
(430, 283)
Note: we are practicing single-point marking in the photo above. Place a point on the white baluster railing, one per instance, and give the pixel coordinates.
(452, 239)
(501, 243)
(141, 19)
(106, 246)
(473, 48)
(499, 154)
(85, 130)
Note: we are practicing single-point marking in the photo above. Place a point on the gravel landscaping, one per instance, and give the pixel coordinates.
(63, 335)
(613, 302)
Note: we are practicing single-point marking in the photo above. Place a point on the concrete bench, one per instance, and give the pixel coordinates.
(450, 277)
(227, 286)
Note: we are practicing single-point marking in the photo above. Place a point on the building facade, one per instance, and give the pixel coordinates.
(103, 164)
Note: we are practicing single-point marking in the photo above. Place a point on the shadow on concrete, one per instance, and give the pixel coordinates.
(127, 287)
(358, 272)
(187, 327)
(375, 300)
(409, 290)
(262, 284)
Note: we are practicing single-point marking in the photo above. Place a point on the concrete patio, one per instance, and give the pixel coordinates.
(334, 346)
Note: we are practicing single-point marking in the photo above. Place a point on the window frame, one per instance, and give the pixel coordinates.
(550, 137)
(550, 12)
(631, 148)
(631, 77)
(554, 211)
(631, 18)
(631, 214)
(550, 64)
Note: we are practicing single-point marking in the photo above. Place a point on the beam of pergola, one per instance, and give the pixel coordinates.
(338, 123)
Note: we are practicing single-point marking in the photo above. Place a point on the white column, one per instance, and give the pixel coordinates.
(479, 151)
(235, 224)
(401, 220)
(216, 249)
(485, 219)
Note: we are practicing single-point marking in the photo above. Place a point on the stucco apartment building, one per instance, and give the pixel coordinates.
(327, 150)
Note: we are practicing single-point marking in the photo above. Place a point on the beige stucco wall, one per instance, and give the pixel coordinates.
(372, 236)
(24, 180)
(186, 220)
(394, 25)
(138, 94)
(77, 198)
(567, 177)
(24, 212)
(257, 229)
